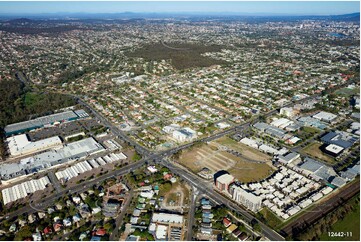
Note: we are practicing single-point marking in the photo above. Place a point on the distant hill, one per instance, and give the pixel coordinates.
(353, 17)
(20, 21)
(194, 16)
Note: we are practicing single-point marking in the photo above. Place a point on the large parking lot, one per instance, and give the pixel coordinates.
(64, 129)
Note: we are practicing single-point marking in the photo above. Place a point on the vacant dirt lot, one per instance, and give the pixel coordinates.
(176, 198)
(246, 151)
(213, 157)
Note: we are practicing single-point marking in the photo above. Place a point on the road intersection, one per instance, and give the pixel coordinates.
(157, 157)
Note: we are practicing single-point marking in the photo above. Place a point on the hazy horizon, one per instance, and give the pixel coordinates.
(199, 7)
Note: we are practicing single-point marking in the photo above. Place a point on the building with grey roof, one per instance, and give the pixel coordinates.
(312, 122)
(288, 158)
(311, 165)
(326, 173)
(338, 181)
(40, 122)
(351, 172)
(271, 130)
(339, 138)
(319, 170)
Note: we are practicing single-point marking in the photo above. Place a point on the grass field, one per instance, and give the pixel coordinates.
(250, 172)
(347, 91)
(271, 219)
(351, 223)
(212, 157)
(314, 150)
(307, 132)
(183, 56)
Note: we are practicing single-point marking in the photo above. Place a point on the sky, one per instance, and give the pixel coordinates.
(257, 7)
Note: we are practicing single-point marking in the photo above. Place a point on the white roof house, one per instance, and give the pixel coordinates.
(170, 128)
(147, 194)
(222, 125)
(152, 169)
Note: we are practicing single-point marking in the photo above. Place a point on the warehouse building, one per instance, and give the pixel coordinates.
(319, 171)
(325, 116)
(340, 138)
(85, 166)
(22, 190)
(270, 130)
(312, 122)
(20, 145)
(289, 158)
(41, 122)
(69, 152)
(281, 123)
(166, 226)
(167, 218)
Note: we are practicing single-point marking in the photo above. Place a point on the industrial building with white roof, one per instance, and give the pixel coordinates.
(22, 190)
(20, 145)
(69, 152)
(88, 165)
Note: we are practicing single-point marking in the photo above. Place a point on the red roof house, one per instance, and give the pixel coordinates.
(48, 230)
(57, 227)
(226, 222)
(167, 176)
(100, 232)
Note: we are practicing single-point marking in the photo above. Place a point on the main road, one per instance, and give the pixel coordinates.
(204, 188)
(188, 176)
(151, 156)
(49, 200)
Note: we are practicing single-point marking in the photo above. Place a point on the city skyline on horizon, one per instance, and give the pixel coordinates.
(230, 7)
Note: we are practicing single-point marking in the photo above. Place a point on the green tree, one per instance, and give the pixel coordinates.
(166, 187)
(23, 233)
